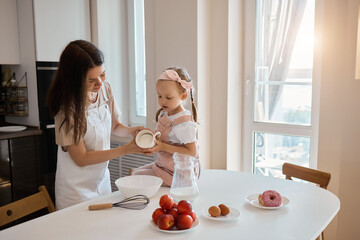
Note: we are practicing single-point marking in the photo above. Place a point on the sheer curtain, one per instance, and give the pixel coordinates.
(278, 24)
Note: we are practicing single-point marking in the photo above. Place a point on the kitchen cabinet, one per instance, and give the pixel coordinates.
(5, 178)
(25, 166)
(9, 40)
(57, 23)
(20, 168)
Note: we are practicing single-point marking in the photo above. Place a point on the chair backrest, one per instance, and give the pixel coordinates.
(311, 175)
(26, 206)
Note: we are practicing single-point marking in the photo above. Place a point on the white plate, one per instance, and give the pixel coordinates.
(253, 200)
(12, 128)
(233, 215)
(174, 230)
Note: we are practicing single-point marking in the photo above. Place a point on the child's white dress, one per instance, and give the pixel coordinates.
(178, 129)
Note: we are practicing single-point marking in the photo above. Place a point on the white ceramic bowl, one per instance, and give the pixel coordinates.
(139, 184)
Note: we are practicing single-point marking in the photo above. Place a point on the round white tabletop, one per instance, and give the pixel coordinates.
(308, 211)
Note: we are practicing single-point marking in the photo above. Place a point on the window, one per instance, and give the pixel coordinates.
(281, 108)
(137, 73)
(119, 32)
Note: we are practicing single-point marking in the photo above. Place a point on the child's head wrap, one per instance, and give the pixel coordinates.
(174, 76)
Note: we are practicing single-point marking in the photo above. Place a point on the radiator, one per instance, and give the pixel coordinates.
(120, 167)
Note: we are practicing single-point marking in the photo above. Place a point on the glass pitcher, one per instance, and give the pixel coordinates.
(184, 186)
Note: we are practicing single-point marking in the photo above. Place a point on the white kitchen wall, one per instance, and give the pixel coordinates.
(57, 23)
(217, 81)
(112, 41)
(339, 129)
(9, 41)
(171, 34)
(204, 77)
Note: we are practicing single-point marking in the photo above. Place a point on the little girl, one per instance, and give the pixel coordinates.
(177, 126)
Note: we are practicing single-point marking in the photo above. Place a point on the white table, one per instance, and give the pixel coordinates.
(309, 211)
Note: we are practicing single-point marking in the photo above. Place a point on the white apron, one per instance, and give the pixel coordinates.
(75, 184)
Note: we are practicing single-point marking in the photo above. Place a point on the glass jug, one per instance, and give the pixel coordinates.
(184, 186)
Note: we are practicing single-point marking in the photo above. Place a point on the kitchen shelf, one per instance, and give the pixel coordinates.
(14, 98)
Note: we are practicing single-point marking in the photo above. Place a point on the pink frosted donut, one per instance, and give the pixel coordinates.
(270, 198)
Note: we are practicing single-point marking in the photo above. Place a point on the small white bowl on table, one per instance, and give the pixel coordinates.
(139, 184)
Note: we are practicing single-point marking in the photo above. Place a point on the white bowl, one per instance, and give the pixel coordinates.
(139, 184)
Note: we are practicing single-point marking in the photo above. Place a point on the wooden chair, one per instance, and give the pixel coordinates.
(23, 207)
(311, 175)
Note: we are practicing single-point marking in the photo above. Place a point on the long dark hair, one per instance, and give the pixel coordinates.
(183, 74)
(68, 92)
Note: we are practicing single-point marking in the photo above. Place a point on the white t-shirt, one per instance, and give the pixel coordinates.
(182, 133)
(64, 138)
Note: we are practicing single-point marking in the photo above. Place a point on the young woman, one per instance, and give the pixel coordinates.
(85, 114)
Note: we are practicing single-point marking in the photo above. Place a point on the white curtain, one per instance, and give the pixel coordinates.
(278, 22)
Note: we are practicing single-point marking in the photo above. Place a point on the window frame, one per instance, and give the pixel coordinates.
(136, 58)
(249, 125)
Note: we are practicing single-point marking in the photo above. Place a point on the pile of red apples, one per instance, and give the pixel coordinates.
(172, 214)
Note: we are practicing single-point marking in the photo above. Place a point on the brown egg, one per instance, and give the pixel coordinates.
(214, 211)
(224, 209)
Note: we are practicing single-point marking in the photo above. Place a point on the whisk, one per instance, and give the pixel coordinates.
(136, 202)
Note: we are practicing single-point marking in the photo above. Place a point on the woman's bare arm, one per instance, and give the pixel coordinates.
(83, 158)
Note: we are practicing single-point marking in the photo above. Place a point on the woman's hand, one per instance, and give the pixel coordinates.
(132, 148)
(135, 130)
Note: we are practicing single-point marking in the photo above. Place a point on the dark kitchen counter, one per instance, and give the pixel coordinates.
(29, 131)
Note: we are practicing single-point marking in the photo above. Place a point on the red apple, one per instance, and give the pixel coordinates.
(184, 207)
(173, 211)
(166, 222)
(193, 215)
(156, 214)
(166, 202)
(184, 221)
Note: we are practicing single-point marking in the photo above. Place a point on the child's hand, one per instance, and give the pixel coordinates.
(159, 146)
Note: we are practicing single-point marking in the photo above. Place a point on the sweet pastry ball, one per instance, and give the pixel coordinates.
(270, 198)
